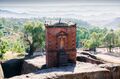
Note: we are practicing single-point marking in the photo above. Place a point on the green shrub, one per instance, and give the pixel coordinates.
(18, 47)
(3, 46)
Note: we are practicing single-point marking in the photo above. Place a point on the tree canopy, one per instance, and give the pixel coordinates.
(35, 35)
(26, 35)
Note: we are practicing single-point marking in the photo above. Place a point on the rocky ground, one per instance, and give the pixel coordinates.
(33, 64)
(51, 73)
(87, 67)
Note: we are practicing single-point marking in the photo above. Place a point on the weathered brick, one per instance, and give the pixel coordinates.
(53, 39)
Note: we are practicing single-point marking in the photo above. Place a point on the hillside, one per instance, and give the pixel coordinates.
(114, 24)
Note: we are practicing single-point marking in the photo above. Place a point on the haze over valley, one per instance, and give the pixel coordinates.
(96, 14)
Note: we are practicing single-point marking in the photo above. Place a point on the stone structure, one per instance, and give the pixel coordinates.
(1, 73)
(60, 44)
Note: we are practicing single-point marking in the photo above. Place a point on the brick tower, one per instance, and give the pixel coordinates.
(60, 44)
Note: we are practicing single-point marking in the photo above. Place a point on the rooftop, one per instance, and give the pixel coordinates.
(59, 24)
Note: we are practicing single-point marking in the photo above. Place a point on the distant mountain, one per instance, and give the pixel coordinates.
(10, 14)
(5, 11)
(81, 23)
(114, 24)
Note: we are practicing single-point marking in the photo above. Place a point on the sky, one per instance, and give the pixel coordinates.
(40, 1)
(93, 11)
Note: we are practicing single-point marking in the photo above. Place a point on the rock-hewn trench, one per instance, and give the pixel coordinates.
(12, 67)
(17, 67)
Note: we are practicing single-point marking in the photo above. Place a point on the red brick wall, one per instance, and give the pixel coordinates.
(52, 43)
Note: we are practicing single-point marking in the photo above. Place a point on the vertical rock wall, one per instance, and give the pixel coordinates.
(114, 70)
(1, 73)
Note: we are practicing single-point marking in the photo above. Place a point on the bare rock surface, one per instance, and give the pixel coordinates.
(108, 65)
(113, 68)
(108, 58)
(1, 73)
(33, 64)
(82, 70)
(59, 71)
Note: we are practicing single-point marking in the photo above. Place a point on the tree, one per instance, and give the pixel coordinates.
(82, 33)
(34, 35)
(3, 47)
(110, 40)
(93, 42)
(18, 46)
(117, 39)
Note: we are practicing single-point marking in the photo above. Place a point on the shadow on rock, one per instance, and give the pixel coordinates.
(12, 67)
